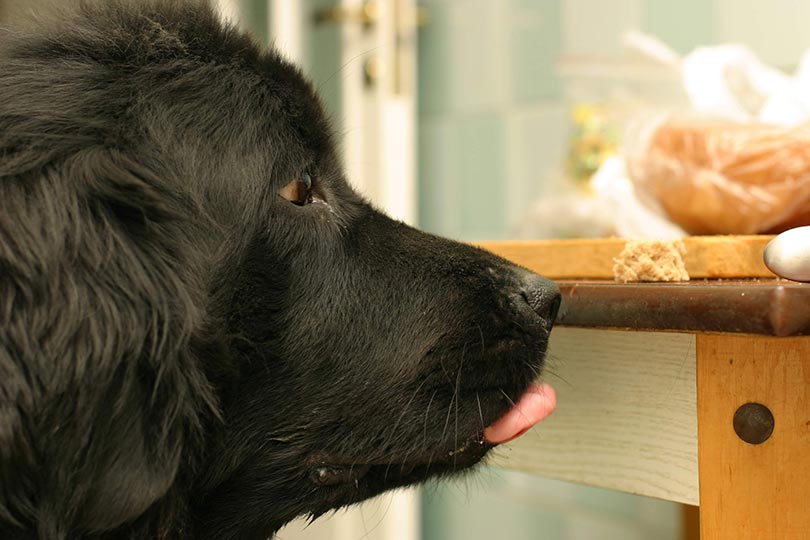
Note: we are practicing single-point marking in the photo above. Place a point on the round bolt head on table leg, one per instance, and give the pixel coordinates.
(753, 423)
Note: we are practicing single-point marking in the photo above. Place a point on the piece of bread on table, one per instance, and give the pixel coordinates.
(651, 260)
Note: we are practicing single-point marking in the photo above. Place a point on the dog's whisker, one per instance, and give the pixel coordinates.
(429, 463)
(363, 521)
(399, 419)
(447, 419)
(387, 468)
(427, 415)
(519, 326)
(407, 406)
(344, 66)
(405, 461)
(512, 402)
(457, 395)
(444, 370)
(507, 397)
(480, 412)
(533, 368)
(553, 373)
(379, 522)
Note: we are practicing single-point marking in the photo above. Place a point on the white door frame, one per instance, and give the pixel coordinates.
(378, 139)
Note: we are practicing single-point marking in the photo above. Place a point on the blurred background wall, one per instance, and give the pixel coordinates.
(497, 81)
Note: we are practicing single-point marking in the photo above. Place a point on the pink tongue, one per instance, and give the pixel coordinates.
(534, 405)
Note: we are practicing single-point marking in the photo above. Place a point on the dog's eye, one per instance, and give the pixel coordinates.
(298, 191)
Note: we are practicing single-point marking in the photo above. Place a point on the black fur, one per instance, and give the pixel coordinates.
(183, 352)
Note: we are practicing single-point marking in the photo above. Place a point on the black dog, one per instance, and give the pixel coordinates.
(204, 332)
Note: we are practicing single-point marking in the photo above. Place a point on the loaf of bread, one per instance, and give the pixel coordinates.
(725, 178)
(651, 260)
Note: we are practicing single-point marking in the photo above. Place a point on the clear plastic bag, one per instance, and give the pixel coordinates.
(720, 177)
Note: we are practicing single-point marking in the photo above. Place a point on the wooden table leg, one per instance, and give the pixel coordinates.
(690, 522)
(753, 491)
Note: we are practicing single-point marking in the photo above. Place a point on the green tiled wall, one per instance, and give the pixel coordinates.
(479, 187)
(479, 63)
(535, 43)
(683, 24)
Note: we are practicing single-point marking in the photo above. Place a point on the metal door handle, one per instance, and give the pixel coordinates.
(367, 15)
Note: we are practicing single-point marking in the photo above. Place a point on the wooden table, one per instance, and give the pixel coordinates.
(650, 377)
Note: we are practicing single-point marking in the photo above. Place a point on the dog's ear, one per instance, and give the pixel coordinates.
(100, 297)
(131, 192)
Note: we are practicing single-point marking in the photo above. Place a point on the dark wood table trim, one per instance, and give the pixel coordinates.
(756, 306)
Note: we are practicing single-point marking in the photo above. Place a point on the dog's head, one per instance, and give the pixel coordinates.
(228, 334)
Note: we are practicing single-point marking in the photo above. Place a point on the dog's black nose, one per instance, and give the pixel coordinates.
(542, 295)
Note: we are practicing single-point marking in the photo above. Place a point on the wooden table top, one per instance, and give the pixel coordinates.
(731, 289)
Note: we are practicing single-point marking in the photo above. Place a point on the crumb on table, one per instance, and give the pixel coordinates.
(651, 260)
